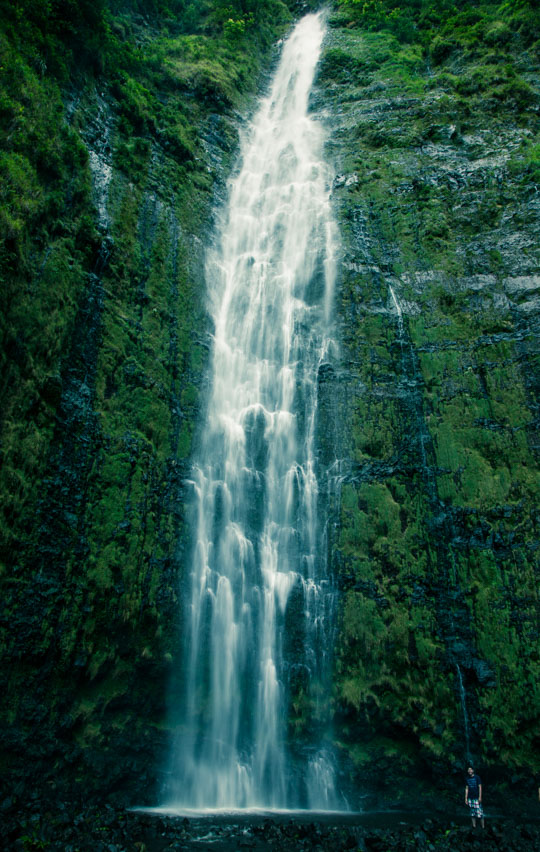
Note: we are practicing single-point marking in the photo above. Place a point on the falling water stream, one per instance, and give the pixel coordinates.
(260, 602)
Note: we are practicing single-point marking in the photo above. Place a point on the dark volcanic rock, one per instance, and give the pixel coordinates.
(107, 829)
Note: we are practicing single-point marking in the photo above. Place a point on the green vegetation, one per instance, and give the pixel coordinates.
(119, 122)
(435, 124)
(446, 26)
(118, 128)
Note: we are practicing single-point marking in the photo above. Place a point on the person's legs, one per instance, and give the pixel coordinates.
(478, 812)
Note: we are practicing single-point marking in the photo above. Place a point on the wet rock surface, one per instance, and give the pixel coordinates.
(435, 539)
(109, 830)
(103, 370)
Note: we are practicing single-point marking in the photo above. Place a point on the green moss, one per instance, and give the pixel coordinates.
(514, 662)
(112, 521)
(436, 424)
(366, 754)
(526, 165)
(441, 488)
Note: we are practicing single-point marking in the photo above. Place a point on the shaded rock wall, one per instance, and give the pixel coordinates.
(105, 343)
(427, 424)
(437, 546)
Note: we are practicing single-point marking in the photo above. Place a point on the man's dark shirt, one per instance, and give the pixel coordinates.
(473, 786)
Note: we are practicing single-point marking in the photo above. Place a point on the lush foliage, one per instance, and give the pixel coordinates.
(103, 343)
(452, 23)
(436, 540)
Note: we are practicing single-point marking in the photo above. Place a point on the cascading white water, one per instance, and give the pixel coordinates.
(259, 596)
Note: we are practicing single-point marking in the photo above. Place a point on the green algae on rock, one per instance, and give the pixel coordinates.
(437, 655)
(115, 143)
(114, 163)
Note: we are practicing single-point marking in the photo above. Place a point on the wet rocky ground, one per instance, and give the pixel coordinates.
(106, 829)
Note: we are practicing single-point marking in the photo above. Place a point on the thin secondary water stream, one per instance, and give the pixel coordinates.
(260, 603)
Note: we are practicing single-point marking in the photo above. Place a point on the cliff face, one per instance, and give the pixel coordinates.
(110, 179)
(436, 551)
(111, 182)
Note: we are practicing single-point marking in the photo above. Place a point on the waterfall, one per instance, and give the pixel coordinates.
(399, 313)
(259, 604)
(463, 700)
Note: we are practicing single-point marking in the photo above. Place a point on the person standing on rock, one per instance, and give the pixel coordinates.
(473, 796)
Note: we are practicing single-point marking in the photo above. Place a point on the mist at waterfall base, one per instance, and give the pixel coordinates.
(258, 602)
